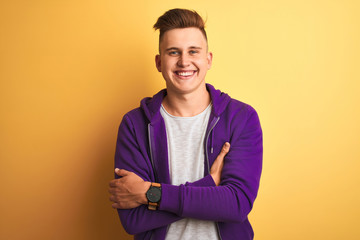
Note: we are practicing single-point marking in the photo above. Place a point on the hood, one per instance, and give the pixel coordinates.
(151, 105)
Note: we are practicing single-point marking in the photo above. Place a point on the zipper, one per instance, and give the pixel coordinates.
(217, 226)
(208, 163)
(206, 143)
(151, 154)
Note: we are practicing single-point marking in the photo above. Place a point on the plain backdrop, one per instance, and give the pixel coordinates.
(70, 69)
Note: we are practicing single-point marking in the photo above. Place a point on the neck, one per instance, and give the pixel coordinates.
(187, 105)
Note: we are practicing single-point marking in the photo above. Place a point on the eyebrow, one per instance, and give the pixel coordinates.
(175, 48)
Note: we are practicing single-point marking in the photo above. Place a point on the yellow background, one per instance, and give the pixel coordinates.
(70, 69)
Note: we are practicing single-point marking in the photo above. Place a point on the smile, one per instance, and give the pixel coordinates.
(185, 73)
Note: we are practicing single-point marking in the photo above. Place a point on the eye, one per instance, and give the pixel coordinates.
(192, 52)
(173, 53)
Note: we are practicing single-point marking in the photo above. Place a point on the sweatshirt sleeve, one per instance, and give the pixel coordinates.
(130, 156)
(233, 199)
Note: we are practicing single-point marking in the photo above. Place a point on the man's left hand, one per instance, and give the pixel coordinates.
(128, 191)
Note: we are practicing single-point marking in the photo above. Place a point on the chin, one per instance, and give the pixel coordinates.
(186, 88)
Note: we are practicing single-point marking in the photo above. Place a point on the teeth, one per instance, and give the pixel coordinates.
(185, 73)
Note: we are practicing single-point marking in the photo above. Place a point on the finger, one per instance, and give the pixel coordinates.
(115, 205)
(119, 205)
(112, 198)
(112, 183)
(125, 205)
(225, 149)
(121, 172)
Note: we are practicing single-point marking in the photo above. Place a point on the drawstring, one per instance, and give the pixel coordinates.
(212, 141)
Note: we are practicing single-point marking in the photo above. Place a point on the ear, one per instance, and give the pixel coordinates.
(158, 62)
(209, 59)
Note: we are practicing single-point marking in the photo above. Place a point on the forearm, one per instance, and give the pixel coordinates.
(140, 219)
(222, 203)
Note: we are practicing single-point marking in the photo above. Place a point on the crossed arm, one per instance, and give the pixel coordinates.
(129, 191)
(204, 199)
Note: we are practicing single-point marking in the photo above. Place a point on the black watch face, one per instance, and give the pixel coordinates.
(153, 194)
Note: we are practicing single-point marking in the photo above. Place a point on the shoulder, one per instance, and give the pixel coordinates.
(241, 117)
(239, 109)
(134, 119)
(134, 113)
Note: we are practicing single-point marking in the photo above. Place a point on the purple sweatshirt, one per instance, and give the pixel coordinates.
(142, 148)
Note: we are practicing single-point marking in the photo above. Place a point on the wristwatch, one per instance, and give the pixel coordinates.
(153, 196)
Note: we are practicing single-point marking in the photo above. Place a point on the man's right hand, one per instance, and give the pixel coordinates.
(218, 164)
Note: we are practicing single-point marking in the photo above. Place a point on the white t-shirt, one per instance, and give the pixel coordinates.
(185, 136)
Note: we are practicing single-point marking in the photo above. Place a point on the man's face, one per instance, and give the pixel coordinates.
(184, 59)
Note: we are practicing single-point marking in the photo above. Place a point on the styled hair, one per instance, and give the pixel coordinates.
(179, 18)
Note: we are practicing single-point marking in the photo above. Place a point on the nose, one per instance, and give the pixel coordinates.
(184, 61)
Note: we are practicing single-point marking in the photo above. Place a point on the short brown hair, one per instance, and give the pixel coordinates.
(179, 18)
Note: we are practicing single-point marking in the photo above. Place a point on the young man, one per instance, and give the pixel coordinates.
(188, 160)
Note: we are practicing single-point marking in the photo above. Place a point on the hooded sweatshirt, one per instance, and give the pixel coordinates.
(142, 148)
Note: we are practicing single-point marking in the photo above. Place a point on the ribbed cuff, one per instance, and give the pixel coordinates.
(206, 181)
(170, 198)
